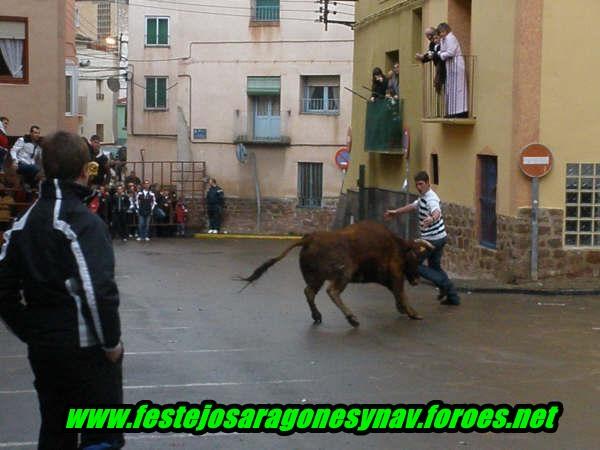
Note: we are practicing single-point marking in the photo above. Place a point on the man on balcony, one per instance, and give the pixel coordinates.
(456, 83)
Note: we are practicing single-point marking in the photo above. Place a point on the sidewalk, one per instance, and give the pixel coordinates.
(588, 286)
(546, 287)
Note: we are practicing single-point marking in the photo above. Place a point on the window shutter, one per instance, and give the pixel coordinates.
(151, 31)
(161, 92)
(150, 92)
(163, 31)
(264, 86)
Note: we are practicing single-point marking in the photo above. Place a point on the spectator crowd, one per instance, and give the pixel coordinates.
(131, 208)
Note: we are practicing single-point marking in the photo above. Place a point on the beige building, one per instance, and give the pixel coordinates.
(257, 73)
(38, 66)
(529, 78)
(101, 27)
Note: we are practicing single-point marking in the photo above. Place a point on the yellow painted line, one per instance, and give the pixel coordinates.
(244, 236)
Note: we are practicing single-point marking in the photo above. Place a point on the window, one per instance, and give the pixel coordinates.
(103, 22)
(99, 90)
(435, 169)
(266, 10)
(71, 98)
(100, 131)
(417, 30)
(488, 180)
(310, 184)
(321, 95)
(13, 50)
(582, 205)
(391, 58)
(156, 93)
(157, 31)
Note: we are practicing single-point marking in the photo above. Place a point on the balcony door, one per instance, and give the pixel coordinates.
(267, 118)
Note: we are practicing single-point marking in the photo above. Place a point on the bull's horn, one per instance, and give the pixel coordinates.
(427, 244)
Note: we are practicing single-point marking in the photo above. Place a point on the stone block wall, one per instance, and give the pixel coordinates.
(509, 262)
(278, 216)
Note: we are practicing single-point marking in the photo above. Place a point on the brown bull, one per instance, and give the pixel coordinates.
(366, 252)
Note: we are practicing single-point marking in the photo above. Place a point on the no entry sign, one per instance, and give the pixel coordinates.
(535, 160)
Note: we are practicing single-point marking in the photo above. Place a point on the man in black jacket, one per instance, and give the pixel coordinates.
(215, 202)
(59, 256)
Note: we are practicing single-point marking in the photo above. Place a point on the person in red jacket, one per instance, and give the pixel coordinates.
(4, 142)
(180, 218)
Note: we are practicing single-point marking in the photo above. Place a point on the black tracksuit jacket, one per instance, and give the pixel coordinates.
(60, 256)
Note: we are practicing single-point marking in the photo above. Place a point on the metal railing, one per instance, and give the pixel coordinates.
(247, 129)
(266, 13)
(448, 88)
(316, 105)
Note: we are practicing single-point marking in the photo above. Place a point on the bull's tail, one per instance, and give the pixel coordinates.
(265, 266)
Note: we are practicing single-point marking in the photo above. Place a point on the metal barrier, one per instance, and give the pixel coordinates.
(186, 178)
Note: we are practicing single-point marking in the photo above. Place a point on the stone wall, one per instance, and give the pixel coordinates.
(464, 256)
(278, 216)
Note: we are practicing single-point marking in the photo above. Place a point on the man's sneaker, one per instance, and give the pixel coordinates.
(138, 239)
(147, 239)
(443, 293)
(451, 302)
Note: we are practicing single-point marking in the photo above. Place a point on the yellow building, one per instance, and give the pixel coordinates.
(529, 72)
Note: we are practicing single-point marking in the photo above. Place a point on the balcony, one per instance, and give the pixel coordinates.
(448, 91)
(99, 96)
(261, 130)
(383, 126)
(330, 106)
(265, 12)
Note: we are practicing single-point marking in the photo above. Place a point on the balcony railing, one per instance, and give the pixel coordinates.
(269, 130)
(266, 13)
(320, 105)
(448, 88)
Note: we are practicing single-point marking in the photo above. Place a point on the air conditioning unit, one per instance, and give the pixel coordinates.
(99, 96)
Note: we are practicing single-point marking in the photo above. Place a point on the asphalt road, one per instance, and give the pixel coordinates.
(190, 335)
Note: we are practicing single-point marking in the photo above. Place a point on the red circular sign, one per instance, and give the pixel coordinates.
(535, 160)
(342, 158)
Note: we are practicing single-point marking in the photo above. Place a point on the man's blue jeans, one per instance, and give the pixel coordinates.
(143, 226)
(433, 270)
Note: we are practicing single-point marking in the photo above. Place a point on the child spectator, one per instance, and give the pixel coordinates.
(180, 218)
(120, 207)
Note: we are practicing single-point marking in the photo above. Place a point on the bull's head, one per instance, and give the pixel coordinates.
(415, 252)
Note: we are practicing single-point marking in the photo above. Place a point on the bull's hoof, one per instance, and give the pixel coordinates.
(415, 316)
(317, 318)
(317, 321)
(352, 320)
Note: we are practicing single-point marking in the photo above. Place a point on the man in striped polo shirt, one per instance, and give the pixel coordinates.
(431, 226)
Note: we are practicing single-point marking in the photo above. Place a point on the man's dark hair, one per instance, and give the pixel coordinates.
(65, 156)
(422, 176)
(33, 127)
(444, 27)
(4, 118)
(95, 137)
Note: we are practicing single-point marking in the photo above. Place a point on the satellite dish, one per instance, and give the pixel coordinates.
(241, 153)
(113, 84)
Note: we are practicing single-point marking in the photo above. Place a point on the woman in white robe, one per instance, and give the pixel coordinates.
(456, 84)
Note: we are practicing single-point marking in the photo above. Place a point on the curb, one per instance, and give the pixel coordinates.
(244, 236)
(524, 291)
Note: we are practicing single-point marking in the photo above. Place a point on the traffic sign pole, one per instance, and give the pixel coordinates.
(535, 193)
(535, 162)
